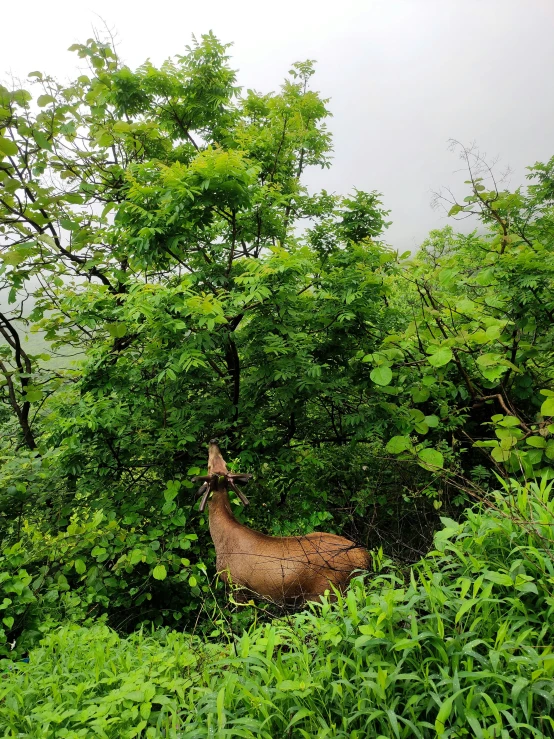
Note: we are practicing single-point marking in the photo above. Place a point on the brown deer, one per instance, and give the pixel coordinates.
(287, 570)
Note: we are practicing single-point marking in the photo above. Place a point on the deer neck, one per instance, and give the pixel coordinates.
(223, 524)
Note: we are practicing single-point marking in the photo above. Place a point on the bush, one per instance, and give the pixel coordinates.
(458, 646)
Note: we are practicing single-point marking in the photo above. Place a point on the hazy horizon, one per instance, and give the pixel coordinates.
(403, 78)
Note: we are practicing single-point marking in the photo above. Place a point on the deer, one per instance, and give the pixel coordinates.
(285, 570)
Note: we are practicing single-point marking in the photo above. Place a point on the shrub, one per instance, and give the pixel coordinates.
(458, 646)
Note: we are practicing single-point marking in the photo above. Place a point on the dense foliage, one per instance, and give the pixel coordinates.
(459, 646)
(155, 229)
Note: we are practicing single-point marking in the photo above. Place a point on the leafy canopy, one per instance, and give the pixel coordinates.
(154, 223)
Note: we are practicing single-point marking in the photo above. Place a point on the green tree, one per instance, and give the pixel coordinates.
(158, 219)
(163, 214)
(479, 349)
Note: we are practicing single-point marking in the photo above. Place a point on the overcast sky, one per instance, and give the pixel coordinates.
(404, 76)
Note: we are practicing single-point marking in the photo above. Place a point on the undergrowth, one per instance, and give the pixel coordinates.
(460, 646)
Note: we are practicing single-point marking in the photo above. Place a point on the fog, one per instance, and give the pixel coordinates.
(403, 77)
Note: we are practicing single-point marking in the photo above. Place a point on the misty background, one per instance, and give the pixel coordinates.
(403, 77)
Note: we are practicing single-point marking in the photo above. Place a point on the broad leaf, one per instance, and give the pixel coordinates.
(381, 375)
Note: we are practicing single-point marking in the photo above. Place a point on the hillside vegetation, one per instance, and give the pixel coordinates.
(154, 222)
(458, 646)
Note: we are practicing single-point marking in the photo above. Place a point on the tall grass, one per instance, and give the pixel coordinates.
(459, 646)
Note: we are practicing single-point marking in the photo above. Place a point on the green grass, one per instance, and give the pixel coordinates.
(458, 646)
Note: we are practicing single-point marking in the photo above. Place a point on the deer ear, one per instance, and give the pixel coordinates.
(201, 489)
(204, 500)
(243, 479)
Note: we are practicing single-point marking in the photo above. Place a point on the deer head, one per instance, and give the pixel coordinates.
(219, 477)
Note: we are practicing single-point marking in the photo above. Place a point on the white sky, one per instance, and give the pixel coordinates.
(403, 76)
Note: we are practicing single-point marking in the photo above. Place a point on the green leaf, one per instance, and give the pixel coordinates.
(398, 444)
(431, 458)
(8, 621)
(432, 421)
(500, 455)
(122, 127)
(14, 257)
(416, 415)
(489, 359)
(534, 456)
(41, 140)
(43, 100)
(509, 433)
(135, 556)
(74, 197)
(441, 357)
(8, 147)
(381, 375)
(117, 330)
(172, 489)
(507, 442)
(420, 395)
(80, 567)
(21, 97)
(537, 441)
(168, 507)
(510, 421)
(298, 716)
(444, 712)
(33, 395)
(518, 686)
(547, 408)
(528, 587)
(193, 581)
(499, 578)
(159, 572)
